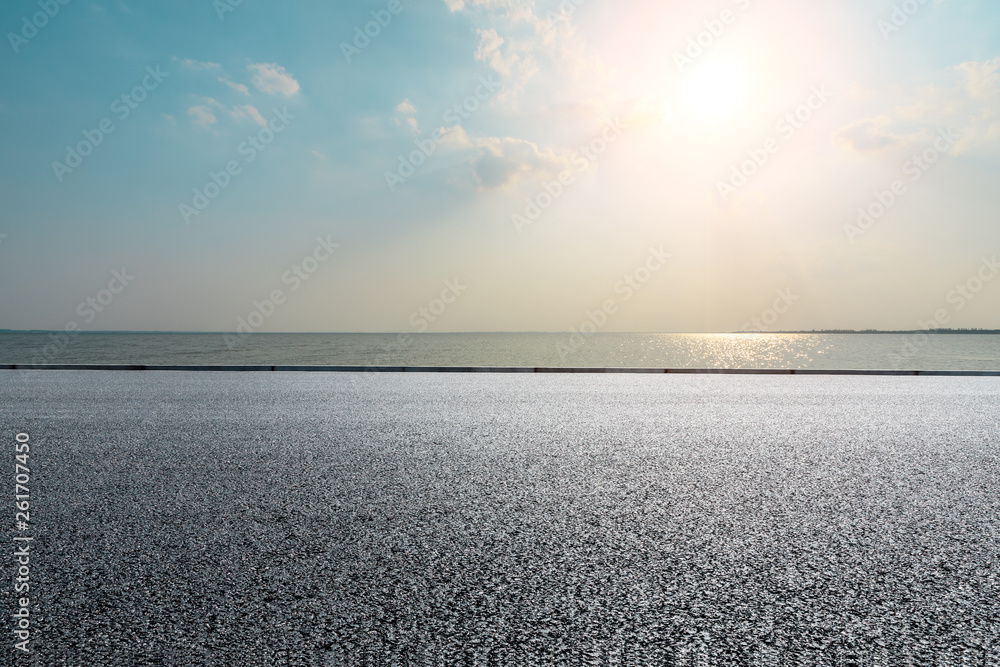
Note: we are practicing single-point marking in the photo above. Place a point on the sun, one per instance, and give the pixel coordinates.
(714, 89)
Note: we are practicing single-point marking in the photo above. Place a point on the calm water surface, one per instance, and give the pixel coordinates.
(822, 351)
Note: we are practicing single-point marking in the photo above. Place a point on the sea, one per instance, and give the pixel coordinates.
(846, 351)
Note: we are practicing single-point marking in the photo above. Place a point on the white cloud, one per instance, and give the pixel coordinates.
(968, 104)
(488, 51)
(520, 44)
(538, 58)
(410, 122)
(406, 107)
(982, 80)
(238, 87)
(870, 134)
(201, 115)
(248, 111)
(273, 79)
(510, 6)
(210, 102)
(454, 138)
(505, 162)
(221, 77)
(198, 65)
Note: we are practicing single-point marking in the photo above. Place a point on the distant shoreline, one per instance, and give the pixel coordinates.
(878, 331)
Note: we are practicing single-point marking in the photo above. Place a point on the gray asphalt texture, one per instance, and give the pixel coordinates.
(375, 519)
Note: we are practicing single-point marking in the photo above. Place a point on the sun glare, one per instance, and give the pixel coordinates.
(714, 89)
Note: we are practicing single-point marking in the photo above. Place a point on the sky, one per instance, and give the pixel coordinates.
(499, 165)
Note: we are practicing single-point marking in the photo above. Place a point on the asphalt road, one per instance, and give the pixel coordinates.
(326, 519)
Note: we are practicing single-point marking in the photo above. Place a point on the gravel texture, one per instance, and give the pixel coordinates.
(374, 519)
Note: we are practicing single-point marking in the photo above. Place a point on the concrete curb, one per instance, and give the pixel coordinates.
(484, 369)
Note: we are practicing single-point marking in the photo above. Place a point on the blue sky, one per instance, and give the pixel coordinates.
(535, 83)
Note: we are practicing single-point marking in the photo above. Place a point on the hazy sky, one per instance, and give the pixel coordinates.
(505, 165)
